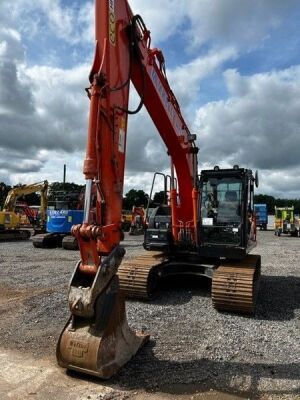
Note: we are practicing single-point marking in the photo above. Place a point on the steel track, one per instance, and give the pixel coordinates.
(235, 285)
(138, 277)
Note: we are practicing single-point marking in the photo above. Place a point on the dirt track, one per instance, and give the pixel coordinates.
(194, 352)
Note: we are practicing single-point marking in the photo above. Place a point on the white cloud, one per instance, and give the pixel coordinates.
(280, 184)
(11, 48)
(51, 168)
(162, 18)
(72, 23)
(225, 23)
(185, 79)
(233, 22)
(145, 149)
(43, 108)
(257, 126)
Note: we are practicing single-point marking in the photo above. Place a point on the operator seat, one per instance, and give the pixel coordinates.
(228, 210)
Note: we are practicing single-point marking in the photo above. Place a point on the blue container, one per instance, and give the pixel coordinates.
(261, 215)
(61, 221)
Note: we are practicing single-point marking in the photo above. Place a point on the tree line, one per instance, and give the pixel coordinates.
(139, 198)
(33, 199)
(135, 197)
(132, 198)
(271, 202)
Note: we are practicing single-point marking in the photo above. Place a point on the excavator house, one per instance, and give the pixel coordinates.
(207, 226)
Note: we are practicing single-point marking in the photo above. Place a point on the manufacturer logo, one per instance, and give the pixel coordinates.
(58, 213)
(112, 22)
(121, 144)
(78, 348)
(167, 104)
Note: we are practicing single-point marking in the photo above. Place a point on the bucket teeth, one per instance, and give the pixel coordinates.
(100, 345)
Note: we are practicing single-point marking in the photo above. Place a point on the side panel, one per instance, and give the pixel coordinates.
(61, 221)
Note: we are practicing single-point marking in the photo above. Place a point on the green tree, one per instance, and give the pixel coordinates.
(135, 198)
(4, 189)
(66, 194)
(159, 198)
(271, 202)
(64, 187)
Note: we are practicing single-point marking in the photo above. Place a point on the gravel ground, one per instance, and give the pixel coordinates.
(194, 351)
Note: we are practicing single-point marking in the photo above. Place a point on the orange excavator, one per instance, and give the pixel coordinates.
(206, 227)
(138, 221)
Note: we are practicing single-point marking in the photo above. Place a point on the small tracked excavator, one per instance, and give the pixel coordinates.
(64, 211)
(138, 221)
(206, 228)
(10, 227)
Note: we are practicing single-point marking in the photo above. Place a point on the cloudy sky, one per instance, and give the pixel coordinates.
(234, 66)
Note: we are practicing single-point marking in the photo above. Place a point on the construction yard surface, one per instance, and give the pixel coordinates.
(194, 352)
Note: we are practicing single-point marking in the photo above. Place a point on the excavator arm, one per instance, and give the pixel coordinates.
(123, 54)
(97, 339)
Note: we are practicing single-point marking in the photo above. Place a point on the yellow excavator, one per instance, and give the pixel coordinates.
(10, 221)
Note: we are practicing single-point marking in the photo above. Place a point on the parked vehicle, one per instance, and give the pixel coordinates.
(65, 212)
(10, 220)
(285, 221)
(261, 212)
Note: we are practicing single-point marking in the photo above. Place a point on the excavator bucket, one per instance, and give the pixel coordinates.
(102, 342)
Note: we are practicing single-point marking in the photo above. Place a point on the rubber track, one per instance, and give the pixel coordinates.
(12, 235)
(70, 243)
(46, 241)
(138, 276)
(235, 285)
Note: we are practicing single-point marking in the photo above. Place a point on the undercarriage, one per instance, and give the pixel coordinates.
(234, 282)
(7, 235)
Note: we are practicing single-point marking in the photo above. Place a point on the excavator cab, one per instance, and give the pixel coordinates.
(227, 225)
(158, 235)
